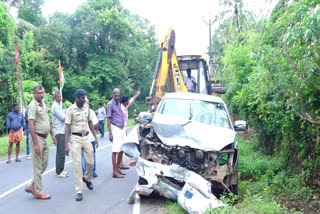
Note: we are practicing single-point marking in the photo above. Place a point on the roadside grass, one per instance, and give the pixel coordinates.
(131, 122)
(4, 144)
(264, 185)
(174, 208)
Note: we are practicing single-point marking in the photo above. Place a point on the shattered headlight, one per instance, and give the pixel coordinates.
(223, 159)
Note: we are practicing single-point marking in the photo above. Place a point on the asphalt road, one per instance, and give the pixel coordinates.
(108, 196)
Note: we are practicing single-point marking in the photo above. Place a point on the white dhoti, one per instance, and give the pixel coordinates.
(119, 136)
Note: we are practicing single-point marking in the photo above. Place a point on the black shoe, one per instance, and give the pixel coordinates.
(79, 197)
(95, 175)
(89, 184)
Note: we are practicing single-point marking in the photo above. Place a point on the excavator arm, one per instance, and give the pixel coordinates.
(167, 67)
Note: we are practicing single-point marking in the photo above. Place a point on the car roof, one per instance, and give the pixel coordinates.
(193, 96)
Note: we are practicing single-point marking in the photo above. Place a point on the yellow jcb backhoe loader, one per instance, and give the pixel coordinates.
(174, 67)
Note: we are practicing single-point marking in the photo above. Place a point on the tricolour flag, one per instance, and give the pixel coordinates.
(17, 57)
(61, 76)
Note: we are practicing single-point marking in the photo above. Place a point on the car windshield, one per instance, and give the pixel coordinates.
(209, 113)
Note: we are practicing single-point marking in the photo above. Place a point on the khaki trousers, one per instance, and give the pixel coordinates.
(79, 144)
(40, 163)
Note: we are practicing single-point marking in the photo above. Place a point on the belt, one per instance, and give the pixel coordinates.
(80, 134)
(42, 135)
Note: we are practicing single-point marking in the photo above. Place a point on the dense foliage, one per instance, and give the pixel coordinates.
(101, 46)
(272, 70)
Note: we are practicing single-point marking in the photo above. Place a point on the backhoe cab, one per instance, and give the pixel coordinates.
(199, 70)
(173, 67)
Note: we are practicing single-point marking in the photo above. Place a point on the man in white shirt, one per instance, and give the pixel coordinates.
(101, 114)
(190, 81)
(58, 116)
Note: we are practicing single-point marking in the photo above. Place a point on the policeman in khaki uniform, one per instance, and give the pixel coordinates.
(39, 125)
(79, 121)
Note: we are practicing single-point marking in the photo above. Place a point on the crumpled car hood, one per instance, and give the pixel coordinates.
(174, 131)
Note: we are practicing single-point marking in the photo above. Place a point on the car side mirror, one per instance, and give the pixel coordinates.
(240, 125)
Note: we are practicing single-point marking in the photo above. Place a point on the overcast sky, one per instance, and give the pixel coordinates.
(185, 16)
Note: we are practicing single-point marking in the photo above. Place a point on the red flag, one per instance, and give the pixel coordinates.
(17, 56)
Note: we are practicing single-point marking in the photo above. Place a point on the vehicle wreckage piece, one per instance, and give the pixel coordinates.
(192, 191)
(188, 188)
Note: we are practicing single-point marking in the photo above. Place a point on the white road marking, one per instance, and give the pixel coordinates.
(46, 172)
(136, 205)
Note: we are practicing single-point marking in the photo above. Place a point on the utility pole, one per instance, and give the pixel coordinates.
(211, 63)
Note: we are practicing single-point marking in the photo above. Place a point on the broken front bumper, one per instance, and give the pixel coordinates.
(192, 191)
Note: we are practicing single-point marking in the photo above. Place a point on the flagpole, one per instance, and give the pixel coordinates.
(16, 64)
(60, 83)
(19, 87)
(61, 97)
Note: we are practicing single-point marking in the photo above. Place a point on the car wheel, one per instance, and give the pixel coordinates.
(234, 189)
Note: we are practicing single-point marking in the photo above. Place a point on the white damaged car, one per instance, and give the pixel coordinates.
(186, 151)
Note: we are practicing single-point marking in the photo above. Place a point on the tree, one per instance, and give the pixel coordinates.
(8, 93)
(30, 11)
(273, 81)
(238, 19)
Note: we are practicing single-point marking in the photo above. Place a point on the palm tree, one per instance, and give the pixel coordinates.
(237, 18)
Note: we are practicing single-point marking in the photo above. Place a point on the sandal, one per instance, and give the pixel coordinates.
(18, 160)
(9, 161)
(62, 175)
(65, 173)
(117, 176)
(124, 167)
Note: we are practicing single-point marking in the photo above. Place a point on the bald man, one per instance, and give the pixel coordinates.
(117, 131)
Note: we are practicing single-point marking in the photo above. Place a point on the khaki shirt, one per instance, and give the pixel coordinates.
(78, 118)
(39, 113)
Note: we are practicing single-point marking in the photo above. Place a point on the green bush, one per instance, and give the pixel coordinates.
(253, 163)
(251, 204)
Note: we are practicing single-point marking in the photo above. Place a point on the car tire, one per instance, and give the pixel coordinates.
(234, 189)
